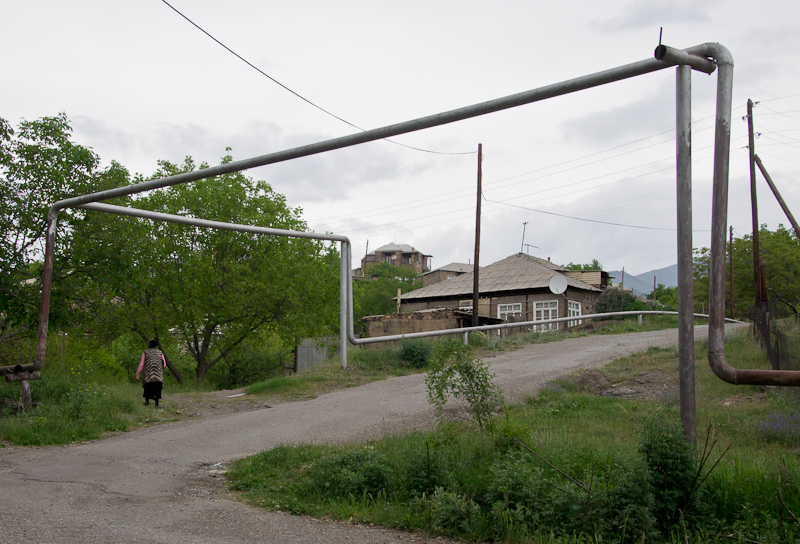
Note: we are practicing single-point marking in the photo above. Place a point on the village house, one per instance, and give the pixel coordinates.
(397, 255)
(515, 289)
(445, 273)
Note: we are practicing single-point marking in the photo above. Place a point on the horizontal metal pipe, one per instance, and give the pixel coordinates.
(499, 104)
(462, 330)
(219, 225)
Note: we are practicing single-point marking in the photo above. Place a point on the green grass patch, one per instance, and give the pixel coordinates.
(594, 469)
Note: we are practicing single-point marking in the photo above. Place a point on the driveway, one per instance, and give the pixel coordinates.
(155, 485)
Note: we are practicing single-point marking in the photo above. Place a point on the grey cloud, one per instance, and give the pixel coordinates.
(650, 114)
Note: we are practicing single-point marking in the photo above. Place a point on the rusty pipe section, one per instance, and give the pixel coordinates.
(719, 219)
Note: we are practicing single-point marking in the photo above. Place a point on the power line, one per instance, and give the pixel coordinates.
(298, 95)
(579, 218)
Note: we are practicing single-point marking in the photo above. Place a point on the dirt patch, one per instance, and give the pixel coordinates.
(654, 385)
(213, 403)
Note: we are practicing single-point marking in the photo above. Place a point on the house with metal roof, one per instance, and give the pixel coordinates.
(518, 288)
(445, 272)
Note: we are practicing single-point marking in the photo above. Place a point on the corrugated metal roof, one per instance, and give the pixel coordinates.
(452, 267)
(515, 273)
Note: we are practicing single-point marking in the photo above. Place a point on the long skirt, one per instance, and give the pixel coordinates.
(152, 390)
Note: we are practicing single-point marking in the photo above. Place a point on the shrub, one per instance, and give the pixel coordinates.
(455, 372)
(357, 473)
(615, 299)
(672, 467)
(416, 352)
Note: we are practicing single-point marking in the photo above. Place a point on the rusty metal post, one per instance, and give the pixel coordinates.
(686, 363)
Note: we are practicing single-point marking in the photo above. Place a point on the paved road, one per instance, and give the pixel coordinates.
(153, 485)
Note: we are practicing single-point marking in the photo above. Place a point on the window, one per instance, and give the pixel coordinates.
(545, 310)
(573, 310)
(504, 310)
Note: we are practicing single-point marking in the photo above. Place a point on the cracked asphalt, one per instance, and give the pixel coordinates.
(154, 485)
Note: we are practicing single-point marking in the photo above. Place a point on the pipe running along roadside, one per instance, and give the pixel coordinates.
(702, 57)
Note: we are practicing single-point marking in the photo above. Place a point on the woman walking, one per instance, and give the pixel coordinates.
(152, 366)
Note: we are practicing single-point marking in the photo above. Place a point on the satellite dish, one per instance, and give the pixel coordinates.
(558, 284)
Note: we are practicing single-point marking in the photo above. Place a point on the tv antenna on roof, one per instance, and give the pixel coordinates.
(524, 225)
(528, 248)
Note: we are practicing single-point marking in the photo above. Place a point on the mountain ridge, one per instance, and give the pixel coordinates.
(642, 284)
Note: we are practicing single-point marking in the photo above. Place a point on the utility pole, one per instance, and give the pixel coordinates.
(760, 297)
(476, 267)
(654, 288)
(760, 318)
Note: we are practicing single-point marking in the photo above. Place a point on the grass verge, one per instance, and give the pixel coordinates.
(567, 466)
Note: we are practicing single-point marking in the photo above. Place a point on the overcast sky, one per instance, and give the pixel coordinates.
(140, 83)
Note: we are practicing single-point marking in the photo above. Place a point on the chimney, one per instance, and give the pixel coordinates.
(548, 259)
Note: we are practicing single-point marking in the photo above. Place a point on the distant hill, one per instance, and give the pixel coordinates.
(642, 284)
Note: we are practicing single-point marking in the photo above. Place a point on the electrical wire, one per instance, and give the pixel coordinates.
(298, 95)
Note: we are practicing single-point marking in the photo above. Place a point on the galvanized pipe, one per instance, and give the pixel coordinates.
(205, 223)
(716, 329)
(685, 58)
(501, 326)
(683, 142)
(344, 299)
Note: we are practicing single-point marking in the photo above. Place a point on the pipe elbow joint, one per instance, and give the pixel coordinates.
(681, 57)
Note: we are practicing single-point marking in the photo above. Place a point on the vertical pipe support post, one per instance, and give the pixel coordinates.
(683, 151)
(344, 288)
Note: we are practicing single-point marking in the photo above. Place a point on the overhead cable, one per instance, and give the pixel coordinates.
(298, 95)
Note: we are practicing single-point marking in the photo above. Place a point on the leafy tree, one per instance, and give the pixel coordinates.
(39, 164)
(616, 299)
(667, 296)
(211, 289)
(594, 265)
(780, 250)
(376, 295)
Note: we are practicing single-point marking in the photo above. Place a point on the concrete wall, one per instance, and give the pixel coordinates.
(385, 325)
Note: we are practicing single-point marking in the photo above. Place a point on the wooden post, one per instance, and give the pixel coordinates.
(778, 196)
(476, 267)
(754, 203)
(731, 273)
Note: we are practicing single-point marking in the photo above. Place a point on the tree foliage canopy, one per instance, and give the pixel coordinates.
(211, 290)
(39, 165)
(780, 250)
(376, 295)
(594, 265)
